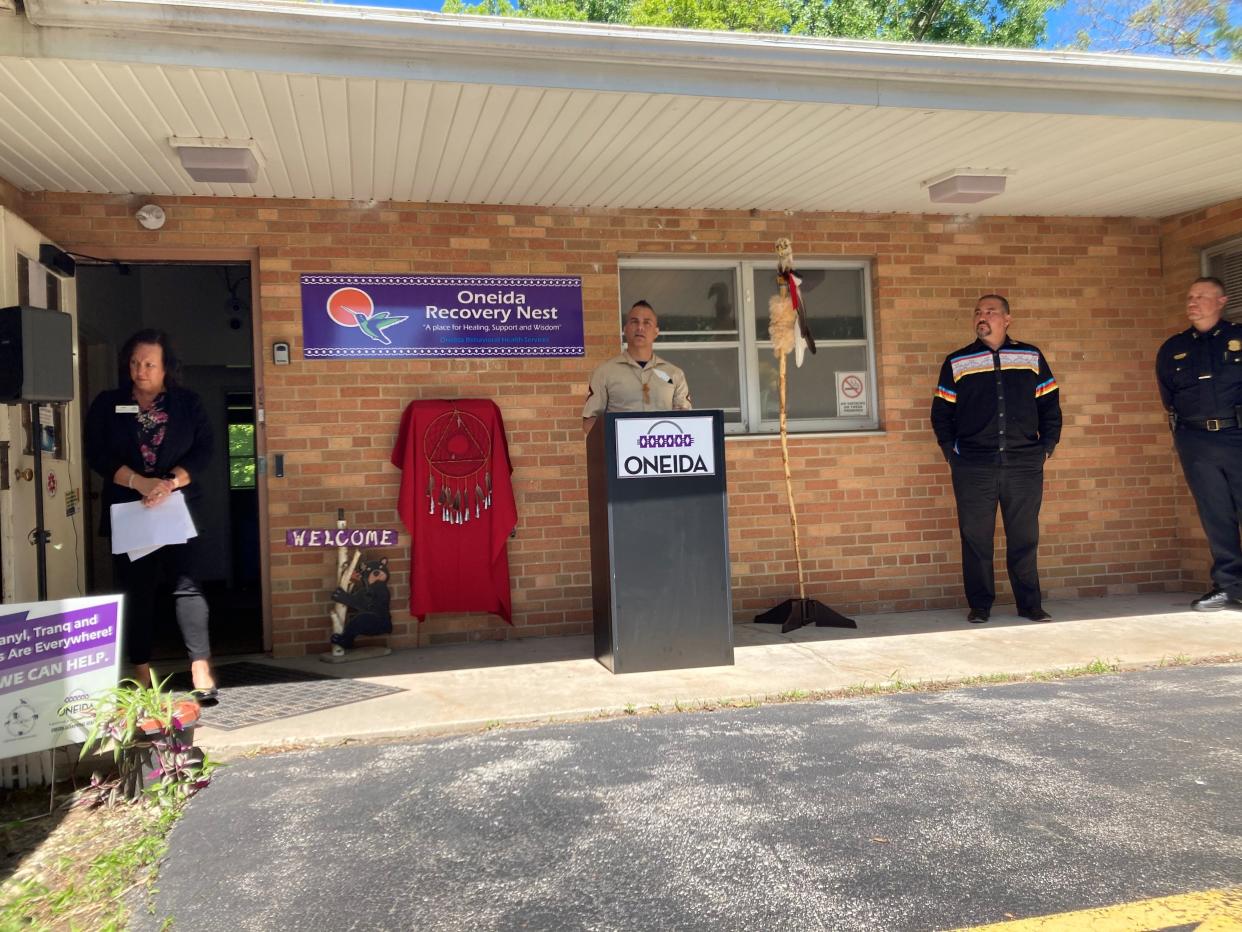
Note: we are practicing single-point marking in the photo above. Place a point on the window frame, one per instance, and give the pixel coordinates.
(241, 402)
(750, 343)
(1233, 310)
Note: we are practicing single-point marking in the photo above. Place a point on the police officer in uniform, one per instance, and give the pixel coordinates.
(1200, 375)
(997, 417)
(636, 379)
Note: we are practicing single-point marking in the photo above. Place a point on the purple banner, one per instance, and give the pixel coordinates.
(55, 638)
(343, 537)
(395, 316)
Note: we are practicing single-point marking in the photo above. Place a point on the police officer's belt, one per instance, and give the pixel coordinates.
(1213, 424)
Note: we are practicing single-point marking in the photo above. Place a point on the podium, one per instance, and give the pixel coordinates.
(659, 541)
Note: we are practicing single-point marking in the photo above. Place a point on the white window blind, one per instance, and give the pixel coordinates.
(1225, 262)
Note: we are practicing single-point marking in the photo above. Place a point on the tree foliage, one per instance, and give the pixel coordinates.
(1015, 23)
(1186, 28)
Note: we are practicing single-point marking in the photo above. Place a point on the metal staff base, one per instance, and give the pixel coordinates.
(795, 613)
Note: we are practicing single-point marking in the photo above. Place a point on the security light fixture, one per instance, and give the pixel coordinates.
(151, 216)
(965, 186)
(223, 161)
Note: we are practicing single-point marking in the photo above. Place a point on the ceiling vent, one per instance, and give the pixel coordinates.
(220, 161)
(965, 186)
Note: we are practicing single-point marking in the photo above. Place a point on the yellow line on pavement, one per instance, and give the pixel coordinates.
(1213, 910)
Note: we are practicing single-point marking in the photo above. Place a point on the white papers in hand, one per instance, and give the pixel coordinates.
(138, 530)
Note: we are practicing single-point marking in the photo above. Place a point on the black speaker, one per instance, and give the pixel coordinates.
(36, 355)
(57, 260)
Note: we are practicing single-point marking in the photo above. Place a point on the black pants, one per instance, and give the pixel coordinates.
(364, 624)
(1019, 490)
(1212, 462)
(141, 581)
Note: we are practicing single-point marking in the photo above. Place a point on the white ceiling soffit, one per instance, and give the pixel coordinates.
(360, 104)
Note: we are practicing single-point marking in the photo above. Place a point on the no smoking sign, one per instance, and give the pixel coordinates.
(851, 394)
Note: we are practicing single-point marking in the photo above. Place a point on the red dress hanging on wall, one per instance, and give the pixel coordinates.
(456, 501)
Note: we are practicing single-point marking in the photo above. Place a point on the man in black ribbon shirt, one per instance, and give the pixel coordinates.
(1200, 376)
(997, 417)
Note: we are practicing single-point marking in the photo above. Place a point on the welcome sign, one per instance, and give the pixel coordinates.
(665, 446)
(404, 316)
(340, 537)
(54, 658)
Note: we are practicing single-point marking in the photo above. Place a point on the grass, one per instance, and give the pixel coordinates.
(79, 872)
(895, 684)
(1177, 660)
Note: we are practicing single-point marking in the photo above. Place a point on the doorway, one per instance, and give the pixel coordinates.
(206, 310)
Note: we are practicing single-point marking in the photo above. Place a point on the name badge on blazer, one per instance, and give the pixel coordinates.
(126, 409)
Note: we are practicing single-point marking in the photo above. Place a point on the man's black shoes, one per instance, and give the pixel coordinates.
(1214, 601)
(978, 616)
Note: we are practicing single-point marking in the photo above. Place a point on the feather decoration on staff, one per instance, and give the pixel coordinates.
(789, 332)
(791, 307)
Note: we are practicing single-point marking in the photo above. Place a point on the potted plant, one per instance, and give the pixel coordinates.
(150, 732)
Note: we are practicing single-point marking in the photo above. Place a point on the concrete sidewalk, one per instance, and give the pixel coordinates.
(463, 687)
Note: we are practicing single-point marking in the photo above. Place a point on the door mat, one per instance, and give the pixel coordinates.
(251, 693)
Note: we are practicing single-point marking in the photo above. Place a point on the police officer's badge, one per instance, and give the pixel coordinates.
(1235, 345)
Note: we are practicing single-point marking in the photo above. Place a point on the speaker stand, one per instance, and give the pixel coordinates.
(795, 613)
(41, 536)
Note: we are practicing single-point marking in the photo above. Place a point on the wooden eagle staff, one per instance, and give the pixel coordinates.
(789, 331)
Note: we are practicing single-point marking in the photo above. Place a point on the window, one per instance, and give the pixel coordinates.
(23, 279)
(36, 285)
(1225, 262)
(241, 440)
(714, 325)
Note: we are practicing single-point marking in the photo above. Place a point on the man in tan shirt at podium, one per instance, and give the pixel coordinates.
(636, 379)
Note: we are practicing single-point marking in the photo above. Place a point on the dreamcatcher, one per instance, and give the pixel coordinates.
(459, 469)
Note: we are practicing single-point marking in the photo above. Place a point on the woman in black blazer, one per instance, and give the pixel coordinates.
(148, 439)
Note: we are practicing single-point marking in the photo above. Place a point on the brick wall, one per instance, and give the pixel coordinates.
(10, 197)
(876, 512)
(1183, 237)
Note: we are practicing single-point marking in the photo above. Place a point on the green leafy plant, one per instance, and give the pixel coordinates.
(146, 728)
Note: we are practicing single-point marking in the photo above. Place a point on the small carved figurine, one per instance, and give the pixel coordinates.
(367, 601)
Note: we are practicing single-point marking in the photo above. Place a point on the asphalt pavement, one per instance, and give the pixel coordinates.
(913, 811)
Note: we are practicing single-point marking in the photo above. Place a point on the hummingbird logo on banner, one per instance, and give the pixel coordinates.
(353, 307)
